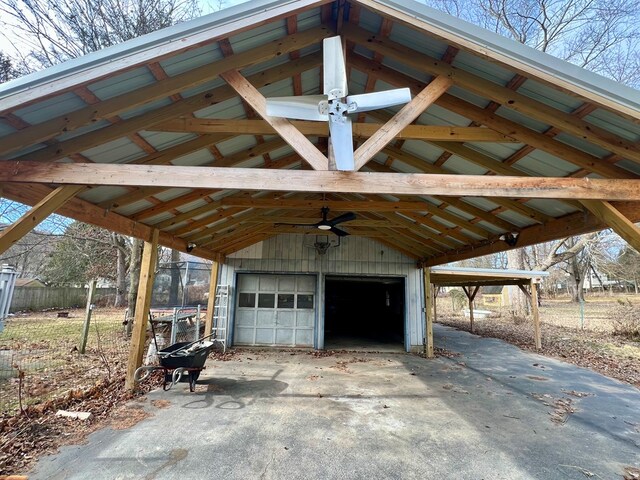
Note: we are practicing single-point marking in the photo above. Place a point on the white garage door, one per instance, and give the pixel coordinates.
(275, 310)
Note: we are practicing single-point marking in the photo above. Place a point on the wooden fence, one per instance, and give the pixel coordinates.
(41, 298)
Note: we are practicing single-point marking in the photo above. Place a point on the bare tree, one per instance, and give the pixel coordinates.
(599, 35)
(56, 30)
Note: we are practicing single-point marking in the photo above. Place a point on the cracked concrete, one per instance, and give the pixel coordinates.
(490, 412)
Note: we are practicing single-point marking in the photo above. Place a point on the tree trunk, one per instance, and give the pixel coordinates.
(134, 278)
(121, 272)
(519, 304)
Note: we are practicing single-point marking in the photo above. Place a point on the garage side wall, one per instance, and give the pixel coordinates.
(354, 256)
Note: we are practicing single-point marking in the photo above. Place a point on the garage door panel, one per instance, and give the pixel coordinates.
(285, 336)
(246, 318)
(305, 318)
(306, 284)
(244, 334)
(286, 319)
(247, 283)
(265, 336)
(265, 318)
(287, 283)
(275, 310)
(268, 283)
(304, 337)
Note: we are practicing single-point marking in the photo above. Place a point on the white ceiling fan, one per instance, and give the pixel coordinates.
(336, 104)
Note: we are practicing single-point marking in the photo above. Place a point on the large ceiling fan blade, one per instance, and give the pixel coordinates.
(337, 231)
(376, 100)
(345, 217)
(335, 70)
(342, 144)
(305, 107)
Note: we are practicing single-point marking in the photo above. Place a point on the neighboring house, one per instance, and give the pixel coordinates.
(29, 282)
(151, 123)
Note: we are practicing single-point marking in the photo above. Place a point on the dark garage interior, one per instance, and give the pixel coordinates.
(364, 312)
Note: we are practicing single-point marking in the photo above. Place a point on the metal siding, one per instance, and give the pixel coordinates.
(356, 255)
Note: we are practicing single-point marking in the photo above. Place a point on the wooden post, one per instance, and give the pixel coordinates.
(428, 314)
(536, 314)
(37, 214)
(211, 304)
(143, 302)
(87, 317)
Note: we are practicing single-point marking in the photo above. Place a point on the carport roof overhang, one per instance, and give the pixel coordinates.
(481, 277)
(499, 139)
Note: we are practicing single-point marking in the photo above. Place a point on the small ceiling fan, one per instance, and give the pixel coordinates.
(335, 105)
(326, 224)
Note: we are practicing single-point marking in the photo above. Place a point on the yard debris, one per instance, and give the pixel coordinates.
(631, 473)
(24, 439)
(160, 403)
(574, 393)
(443, 352)
(563, 409)
(76, 415)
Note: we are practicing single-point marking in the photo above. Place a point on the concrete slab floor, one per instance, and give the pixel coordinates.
(486, 414)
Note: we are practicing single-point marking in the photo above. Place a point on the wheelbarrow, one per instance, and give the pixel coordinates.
(180, 362)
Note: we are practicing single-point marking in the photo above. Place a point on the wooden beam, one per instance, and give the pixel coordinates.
(313, 218)
(319, 181)
(459, 204)
(479, 115)
(567, 226)
(159, 89)
(612, 217)
(536, 315)
(84, 211)
(190, 197)
(473, 156)
(288, 132)
(143, 302)
(185, 106)
(334, 205)
(502, 57)
(321, 129)
(27, 222)
(495, 92)
(400, 120)
(211, 301)
(428, 314)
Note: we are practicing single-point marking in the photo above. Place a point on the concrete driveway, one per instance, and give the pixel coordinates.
(493, 412)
